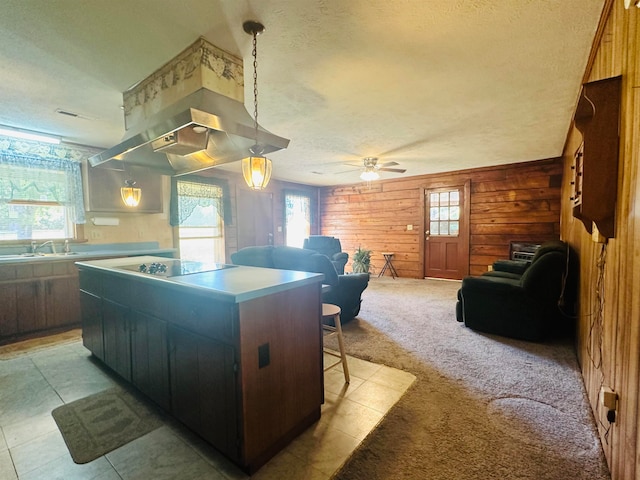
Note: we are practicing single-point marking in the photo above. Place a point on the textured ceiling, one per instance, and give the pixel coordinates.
(435, 85)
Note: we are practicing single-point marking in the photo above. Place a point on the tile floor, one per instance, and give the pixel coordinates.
(31, 447)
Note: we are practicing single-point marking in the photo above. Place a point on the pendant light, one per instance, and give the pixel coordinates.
(256, 168)
(130, 194)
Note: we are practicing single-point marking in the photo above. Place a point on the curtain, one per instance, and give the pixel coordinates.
(297, 218)
(30, 171)
(198, 191)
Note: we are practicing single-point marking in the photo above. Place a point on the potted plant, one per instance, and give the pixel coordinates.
(361, 260)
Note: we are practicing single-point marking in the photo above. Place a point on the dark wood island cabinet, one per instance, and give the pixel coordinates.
(235, 354)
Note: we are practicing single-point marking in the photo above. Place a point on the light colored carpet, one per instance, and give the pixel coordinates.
(100, 423)
(483, 406)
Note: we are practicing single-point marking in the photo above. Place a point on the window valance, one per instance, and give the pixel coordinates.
(32, 171)
(198, 191)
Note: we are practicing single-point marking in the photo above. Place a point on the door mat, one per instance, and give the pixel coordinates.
(100, 423)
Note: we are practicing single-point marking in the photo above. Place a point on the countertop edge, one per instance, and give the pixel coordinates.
(75, 256)
(277, 281)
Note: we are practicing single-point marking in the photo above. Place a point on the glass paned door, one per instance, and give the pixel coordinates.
(446, 240)
(444, 213)
(297, 218)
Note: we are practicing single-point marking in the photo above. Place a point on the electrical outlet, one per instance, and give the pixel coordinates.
(608, 398)
(409, 227)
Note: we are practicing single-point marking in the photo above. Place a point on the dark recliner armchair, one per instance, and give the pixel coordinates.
(346, 290)
(329, 246)
(527, 302)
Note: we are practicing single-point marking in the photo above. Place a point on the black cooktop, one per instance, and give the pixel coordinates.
(175, 267)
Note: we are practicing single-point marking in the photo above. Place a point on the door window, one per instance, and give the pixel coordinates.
(444, 213)
(297, 219)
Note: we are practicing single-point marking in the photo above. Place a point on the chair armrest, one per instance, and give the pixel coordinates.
(511, 266)
(340, 257)
(495, 285)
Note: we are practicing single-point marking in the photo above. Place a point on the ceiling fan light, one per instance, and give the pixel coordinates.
(369, 175)
(256, 172)
(130, 194)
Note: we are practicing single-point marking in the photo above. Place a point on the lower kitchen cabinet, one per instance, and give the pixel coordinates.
(30, 307)
(62, 301)
(37, 298)
(117, 340)
(203, 388)
(149, 358)
(91, 306)
(8, 312)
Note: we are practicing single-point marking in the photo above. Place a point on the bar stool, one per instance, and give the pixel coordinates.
(333, 311)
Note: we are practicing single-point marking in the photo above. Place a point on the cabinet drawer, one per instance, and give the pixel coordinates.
(117, 289)
(203, 316)
(90, 282)
(7, 272)
(149, 299)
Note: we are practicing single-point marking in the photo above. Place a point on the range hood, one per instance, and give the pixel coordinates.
(188, 116)
(198, 132)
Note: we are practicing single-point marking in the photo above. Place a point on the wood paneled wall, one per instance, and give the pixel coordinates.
(609, 344)
(516, 202)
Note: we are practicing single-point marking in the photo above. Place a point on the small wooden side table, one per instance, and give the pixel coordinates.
(388, 256)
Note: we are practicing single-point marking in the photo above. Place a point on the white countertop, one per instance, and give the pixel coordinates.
(75, 256)
(237, 284)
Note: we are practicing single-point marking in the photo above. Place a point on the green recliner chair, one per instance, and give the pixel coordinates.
(345, 291)
(329, 246)
(527, 302)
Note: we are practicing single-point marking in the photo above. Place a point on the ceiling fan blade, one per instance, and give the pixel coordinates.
(389, 164)
(347, 171)
(397, 170)
(359, 165)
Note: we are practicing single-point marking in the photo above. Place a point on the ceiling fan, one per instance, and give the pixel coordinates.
(370, 168)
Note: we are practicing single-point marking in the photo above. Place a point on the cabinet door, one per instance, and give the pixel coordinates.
(103, 190)
(62, 301)
(91, 306)
(149, 360)
(30, 306)
(8, 313)
(203, 388)
(117, 343)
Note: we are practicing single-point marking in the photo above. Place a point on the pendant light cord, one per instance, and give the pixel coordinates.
(255, 85)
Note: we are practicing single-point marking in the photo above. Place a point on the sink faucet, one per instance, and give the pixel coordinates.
(35, 246)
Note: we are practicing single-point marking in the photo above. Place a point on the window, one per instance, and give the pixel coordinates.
(40, 190)
(297, 218)
(200, 225)
(444, 213)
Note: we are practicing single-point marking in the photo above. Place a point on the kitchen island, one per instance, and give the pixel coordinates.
(234, 353)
